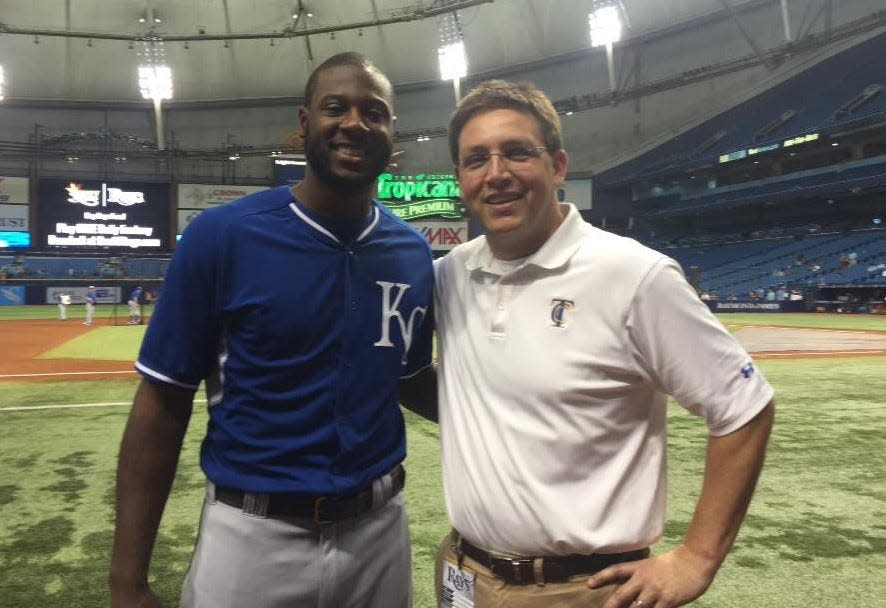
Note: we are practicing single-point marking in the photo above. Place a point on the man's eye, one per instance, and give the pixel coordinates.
(376, 115)
(519, 155)
(334, 110)
(475, 160)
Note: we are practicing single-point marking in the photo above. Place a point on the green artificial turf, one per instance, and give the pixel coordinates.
(815, 534)
(811, 320)
(108, 343)
(75, 311)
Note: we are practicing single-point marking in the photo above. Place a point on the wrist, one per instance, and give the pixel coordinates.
(705, 559)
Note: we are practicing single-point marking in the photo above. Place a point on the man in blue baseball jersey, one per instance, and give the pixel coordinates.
(89, 300)
(303, 310)
(135, 306)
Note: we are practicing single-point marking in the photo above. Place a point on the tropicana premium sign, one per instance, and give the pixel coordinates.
(423, 195)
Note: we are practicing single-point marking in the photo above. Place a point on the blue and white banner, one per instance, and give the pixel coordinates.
(12, 295)
(103, 295)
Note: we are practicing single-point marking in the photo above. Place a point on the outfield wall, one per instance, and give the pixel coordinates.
(45, 291)
(756, 306)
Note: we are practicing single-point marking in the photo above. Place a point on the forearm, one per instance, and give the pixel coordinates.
(732, 467)
(146, 468)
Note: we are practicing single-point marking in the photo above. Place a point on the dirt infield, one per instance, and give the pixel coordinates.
(765, 342)
(21, 342)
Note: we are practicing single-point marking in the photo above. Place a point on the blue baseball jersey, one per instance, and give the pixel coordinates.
(301, 339)
(90, 297)
(136, 295)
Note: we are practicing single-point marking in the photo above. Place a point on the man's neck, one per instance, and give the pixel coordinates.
(334, 203)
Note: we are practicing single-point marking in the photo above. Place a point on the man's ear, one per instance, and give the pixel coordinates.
(302, 121)
(561, 163)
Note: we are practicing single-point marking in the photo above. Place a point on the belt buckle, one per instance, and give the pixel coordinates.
(318, 519)
(503, 565)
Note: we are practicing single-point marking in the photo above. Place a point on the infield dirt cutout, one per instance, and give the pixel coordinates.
(21, 342)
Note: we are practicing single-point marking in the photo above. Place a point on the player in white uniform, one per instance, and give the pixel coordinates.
(559, 344)
(64, 300)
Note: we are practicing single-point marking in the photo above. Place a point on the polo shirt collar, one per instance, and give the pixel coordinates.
(556, 251)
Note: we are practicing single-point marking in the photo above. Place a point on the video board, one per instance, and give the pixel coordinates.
(89, 214)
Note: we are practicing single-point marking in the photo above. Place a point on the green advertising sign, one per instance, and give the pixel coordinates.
(423, 195)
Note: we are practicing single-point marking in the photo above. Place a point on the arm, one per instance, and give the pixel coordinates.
(418, 393)
(675, 578)
(146, 468)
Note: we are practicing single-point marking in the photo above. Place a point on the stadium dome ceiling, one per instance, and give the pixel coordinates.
(240, 49)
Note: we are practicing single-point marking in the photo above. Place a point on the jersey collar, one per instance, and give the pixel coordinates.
(556, 251)
(324, 231)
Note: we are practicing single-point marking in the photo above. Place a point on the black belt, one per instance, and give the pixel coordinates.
(527, 570)
(322, 509)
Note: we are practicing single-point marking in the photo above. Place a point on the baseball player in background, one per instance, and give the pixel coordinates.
(89, 300)
(64, 300)
(301, 309)
(558, 345)
(135, 306)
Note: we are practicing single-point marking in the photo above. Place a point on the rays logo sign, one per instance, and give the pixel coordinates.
(103, 197)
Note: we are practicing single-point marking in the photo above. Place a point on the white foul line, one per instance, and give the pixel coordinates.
(64, 406)
(132, 371)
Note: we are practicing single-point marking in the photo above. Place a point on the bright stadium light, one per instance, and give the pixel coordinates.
(451, 53)
(155, 81)
(605, 25)
(453, 61)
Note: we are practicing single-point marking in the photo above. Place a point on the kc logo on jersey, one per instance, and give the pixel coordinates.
(559, 308)
(391, 309)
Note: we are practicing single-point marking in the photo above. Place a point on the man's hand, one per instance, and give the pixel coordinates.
(668, 580)
(139, 596)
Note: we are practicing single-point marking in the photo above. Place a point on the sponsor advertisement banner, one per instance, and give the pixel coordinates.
(14, 218)
(203, 196)
(14, 190)
(442, 236)
(751, 306)
(103, 295)
(12, 295)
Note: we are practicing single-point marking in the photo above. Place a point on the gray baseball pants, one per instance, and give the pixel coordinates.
(245, 561)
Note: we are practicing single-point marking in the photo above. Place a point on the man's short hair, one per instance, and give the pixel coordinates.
(351, 58)
(504, 95)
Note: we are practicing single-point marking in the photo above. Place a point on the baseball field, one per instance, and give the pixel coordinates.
(815, 534)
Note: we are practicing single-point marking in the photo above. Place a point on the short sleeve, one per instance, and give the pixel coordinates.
(685, 350)
(182, 341)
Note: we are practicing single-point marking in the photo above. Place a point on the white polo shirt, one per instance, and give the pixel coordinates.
(553, 383)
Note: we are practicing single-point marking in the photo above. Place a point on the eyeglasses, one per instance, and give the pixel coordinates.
(515, 158)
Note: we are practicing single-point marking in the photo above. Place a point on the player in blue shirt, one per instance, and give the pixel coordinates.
(135, 306)
(304, 310)
(89, 300)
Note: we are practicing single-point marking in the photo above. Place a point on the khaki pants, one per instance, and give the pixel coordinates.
(491, 592)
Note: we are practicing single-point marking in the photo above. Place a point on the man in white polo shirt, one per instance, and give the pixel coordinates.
(559, 344)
